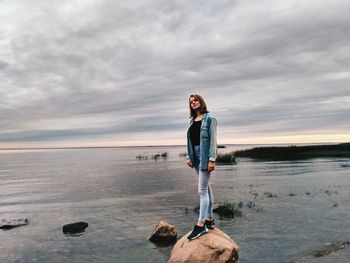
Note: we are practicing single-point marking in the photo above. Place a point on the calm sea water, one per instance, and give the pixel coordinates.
(123, 199)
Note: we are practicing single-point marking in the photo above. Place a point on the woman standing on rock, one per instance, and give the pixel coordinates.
(201, 155)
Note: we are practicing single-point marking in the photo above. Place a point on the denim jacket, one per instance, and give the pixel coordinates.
(208, 146)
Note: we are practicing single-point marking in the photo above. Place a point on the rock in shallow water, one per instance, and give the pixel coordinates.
(163, 233)
(12, 223)
(75, 228)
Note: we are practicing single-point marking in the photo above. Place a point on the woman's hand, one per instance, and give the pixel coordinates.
(211, 166)
(189, 163)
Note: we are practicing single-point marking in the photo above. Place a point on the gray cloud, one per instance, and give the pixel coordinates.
(76, 70)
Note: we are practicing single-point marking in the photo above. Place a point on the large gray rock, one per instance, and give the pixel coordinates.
(215, 246)
(164, 233)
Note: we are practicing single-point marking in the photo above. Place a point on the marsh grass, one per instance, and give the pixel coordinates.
(296, 152)
(221, 158)
(146, 156)
(226, 158)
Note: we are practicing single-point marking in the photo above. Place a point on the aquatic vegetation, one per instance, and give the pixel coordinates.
(156, 156)
(330, 192)
(254, 193)
(250, 204)
(269, 194)
(296, 152)
(226, 158)
(221, 158)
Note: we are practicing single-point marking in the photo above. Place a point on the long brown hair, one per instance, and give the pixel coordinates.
(203, 107)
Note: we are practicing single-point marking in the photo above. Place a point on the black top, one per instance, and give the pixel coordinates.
(195, 131)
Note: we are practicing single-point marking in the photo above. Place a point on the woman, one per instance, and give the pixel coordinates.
(201, 155)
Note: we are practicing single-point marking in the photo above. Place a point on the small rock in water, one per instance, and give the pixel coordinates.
(9, 224)
(227, 210)
(164, 233)
(75, 228)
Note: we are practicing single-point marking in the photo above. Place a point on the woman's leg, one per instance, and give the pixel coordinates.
(200, 228)
(209, 214)
(204, 189)
(204, 192)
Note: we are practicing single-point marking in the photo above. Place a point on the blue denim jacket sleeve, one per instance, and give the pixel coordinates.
(189, 150)
(213, 143)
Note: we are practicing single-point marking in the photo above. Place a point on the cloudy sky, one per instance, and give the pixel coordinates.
(88, 73)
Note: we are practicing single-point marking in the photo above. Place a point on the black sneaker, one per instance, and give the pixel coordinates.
(197, 232)
(210, 224)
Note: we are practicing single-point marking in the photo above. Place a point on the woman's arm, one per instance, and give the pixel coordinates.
(212, 144)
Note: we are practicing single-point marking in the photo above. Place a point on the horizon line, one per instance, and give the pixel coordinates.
(168, 145)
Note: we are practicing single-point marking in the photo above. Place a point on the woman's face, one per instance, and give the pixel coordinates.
(195, 104)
